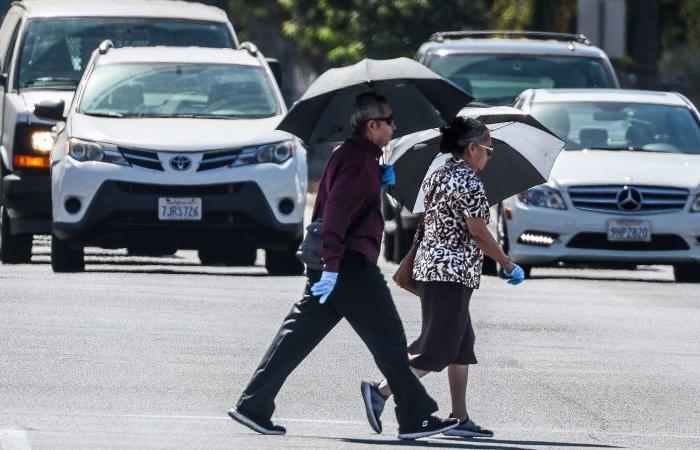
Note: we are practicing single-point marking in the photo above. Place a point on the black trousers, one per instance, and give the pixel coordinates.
(362, 297)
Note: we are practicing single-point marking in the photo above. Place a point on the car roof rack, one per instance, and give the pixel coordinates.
(440, 36)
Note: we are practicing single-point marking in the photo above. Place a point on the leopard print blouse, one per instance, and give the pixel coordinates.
(447, 252)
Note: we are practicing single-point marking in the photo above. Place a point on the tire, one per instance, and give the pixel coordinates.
(389, 246)
(235, 257)
(66, 259)
(502, 239)
(283, 262)
(403, 239)
(687, 273)
(14, 249)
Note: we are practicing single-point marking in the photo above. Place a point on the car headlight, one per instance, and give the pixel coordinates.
(42, 141)
(277, 153)
(695, 207)
(542, 196)
(95, 151)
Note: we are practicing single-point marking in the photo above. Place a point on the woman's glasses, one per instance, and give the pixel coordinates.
(489, 150)
(389, 120)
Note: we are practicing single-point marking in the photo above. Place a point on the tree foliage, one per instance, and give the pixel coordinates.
(338, 32)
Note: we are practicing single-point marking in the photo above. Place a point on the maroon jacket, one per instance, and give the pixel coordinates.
(349, 201)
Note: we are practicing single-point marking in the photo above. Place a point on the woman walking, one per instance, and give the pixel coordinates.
(448, 269)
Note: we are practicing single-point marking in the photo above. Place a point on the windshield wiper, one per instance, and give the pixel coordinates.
(107, 114)
(52, 80)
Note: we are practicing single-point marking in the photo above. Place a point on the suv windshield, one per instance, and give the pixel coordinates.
(55, 52)
(499, 79)
(621, 126)
(179, 90)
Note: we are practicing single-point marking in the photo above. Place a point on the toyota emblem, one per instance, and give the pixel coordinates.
(629, 199)
(180, 163)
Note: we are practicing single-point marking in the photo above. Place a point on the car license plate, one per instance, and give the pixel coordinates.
(170, 208)
(629, 230)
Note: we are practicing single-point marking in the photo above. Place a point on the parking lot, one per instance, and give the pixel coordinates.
(151, 352)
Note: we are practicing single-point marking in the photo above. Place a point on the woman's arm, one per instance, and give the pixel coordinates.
(484, 239)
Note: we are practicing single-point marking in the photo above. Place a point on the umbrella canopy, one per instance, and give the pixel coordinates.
(524, 154)
(420, 99)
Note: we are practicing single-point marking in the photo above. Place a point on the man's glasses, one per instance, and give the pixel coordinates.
(389, 120)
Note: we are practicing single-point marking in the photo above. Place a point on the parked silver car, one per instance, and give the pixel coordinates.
(625, 191)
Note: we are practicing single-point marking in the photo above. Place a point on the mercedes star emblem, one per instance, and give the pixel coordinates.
(629, 199)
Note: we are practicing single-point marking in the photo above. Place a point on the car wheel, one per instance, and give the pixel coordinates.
(283, 262)
(14, 249)
(687, 273)
(502, 239)
(228, 256)
(389, 246)
(65, 258)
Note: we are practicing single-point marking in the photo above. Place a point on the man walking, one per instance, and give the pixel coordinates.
(351, 286)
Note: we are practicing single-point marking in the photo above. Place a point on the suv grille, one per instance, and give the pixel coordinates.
(176, 190)
(216, 159)
(644, 199)
(142, 158)
(599, 241)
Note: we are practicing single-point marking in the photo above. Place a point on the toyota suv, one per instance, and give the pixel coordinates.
(44, 48)
(177, 148)
(495, 67)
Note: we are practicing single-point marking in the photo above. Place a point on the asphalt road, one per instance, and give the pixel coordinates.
(151, 352)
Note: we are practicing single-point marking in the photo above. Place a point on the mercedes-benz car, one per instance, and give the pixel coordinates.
(626, 190)
(176, 148)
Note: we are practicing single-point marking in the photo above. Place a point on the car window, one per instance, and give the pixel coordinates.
(499, 79)
(55, 52)
(179, 90)
(621, 126)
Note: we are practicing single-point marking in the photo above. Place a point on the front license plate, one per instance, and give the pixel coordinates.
(629, 230)
(170, 208)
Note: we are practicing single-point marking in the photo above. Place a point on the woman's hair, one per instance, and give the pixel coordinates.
(461, 132)
(369, 105)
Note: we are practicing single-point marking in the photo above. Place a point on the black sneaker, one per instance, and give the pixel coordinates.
(262, 426)
(374, 404)
(469, 428)
(428, 427)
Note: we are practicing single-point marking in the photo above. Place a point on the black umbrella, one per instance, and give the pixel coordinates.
(524, 153)
(420, 99)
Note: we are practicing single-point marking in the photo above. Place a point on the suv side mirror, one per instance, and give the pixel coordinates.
(50, 109)
(276, 69)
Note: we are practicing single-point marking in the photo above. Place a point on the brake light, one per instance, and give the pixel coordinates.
(31, 162)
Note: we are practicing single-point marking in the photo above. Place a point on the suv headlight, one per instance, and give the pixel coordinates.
(42, 141)
(277, 153)
(95, 151)
(695, 207)
(542, 196)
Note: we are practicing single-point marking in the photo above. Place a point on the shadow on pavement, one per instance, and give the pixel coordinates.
(599, 278)
(531, 442)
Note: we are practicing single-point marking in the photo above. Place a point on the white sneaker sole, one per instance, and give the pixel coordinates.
(422, 434)
(366, 390)
(243, 420)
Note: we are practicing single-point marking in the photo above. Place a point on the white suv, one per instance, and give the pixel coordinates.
(625, 191)
(44, 47)
(170, 148)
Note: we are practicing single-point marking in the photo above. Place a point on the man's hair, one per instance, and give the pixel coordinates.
(367, 106)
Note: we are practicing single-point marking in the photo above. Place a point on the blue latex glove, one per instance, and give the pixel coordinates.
(515, 276)
(387, 175)
(325, 285)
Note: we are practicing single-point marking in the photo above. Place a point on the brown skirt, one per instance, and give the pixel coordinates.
(447, 336)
